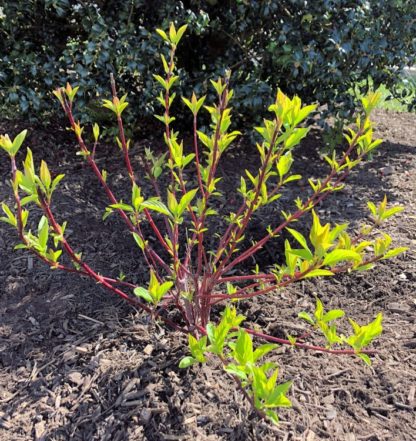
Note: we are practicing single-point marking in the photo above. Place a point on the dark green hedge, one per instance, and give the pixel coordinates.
(318, 49)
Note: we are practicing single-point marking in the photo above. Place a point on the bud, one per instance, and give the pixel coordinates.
(96, 131)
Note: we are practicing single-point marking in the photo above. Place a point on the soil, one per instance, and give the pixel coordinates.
(78, 364)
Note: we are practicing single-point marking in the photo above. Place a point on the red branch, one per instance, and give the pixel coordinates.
(306, 346)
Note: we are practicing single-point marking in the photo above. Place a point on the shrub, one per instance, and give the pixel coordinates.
(185, 276)
(319, 50)
(406, 91)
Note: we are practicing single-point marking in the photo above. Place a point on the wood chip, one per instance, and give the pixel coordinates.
(145, 416)
(5, 424)
(331, 413)
(148, 350)
(82, 349)
(85, 317)
(329, 399)
(75, 377)
(39, 430)
(311, 436)
(411, 395)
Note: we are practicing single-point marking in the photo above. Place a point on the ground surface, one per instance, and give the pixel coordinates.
(78, 364)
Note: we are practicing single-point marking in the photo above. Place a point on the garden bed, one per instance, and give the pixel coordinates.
(77, 363)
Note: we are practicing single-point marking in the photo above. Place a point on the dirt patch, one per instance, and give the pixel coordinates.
(76, 363)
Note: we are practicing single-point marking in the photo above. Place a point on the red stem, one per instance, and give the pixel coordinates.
(111, 197)
(196, 149)
(248, 277)
(239, 231)
(297, 276)
(122, 134)
(91, 273)
(306, 346)
(316, 198)
(283, 341)
(205, 305)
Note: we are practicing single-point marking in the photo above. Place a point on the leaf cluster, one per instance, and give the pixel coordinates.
(234, 347)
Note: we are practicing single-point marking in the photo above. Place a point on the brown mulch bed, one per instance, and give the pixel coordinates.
(78, 364)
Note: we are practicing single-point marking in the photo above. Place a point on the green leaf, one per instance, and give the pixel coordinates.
(292, 340)
(107, 213)
(339, 255)
(156, 205)
(372, 208)
(121, 206)
(370, 101)
(45, 175)
(198, 347)
(205, 139)
(139, 241)
(336, 231)
(243, 348)
(292, 178)
(296, 137)
(366, 359)
(186, 200)
(17, 142)
(317, 273)
(56, 181)
(172, 203)
(180, 33)
(96, 131)
(367, 267)
(219, 86)
(304, 113)
(238, 371)
(305, 316)
(333, 315)
(8, 221)
(11, 218)
(284, 164)
(272, 416)
(162, 81)
(394, 252)
(211, 332)
(277, 397)
(304, 254)
(163, 34)
(20, 246)
(319, 310)
(109, 105)
(172, 32)
(189, 104)
(262, 350)
(25, 216)
(199, 103)
(143, 293)
(186, 362)
(391, 212)
(188, 158)
(43, 232)
(299, 237)
(6, 144)
(136, 197)
(163, 289)
(364, 335)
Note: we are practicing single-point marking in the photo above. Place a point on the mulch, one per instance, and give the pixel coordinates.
(79, 364)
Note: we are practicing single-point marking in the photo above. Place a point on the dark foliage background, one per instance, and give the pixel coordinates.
(317, 49)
